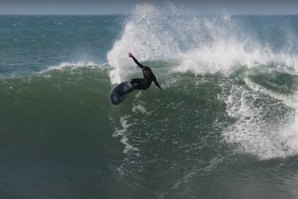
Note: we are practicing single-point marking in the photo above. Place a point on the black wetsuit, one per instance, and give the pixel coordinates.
(143, 83)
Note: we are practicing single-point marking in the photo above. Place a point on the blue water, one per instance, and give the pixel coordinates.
(225, 125)
(33, 43)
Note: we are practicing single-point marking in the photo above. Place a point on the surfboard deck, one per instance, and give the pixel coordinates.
(120, 92)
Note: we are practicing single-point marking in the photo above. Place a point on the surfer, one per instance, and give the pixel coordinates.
(119, 92)
(143, 83)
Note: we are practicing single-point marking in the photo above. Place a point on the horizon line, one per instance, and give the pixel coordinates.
(124, 14)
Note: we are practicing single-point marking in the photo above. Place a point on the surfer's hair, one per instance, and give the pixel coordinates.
(147, 68)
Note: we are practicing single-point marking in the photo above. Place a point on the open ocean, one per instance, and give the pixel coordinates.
(225, 126)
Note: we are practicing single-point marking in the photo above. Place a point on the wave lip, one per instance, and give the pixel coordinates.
(72, 66)
(147, 35)
(200, 44)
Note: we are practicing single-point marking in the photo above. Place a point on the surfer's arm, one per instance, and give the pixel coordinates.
(157, 84)
(136, 61)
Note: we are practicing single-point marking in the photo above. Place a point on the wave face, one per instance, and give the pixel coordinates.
(241, 50)
(228, 112)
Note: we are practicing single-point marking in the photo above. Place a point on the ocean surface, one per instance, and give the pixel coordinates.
(224, 126)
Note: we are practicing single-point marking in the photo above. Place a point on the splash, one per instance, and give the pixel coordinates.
(197, 44)
(146, 36)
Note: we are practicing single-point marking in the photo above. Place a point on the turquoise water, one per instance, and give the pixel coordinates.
(225, 125)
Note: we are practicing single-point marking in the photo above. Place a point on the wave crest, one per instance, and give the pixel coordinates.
(199, 44)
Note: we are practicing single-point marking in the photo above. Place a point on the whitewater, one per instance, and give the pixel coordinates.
(226, 121)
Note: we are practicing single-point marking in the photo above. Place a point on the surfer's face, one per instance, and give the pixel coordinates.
(146, 72)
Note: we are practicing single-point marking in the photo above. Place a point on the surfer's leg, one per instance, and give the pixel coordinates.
(136, 84)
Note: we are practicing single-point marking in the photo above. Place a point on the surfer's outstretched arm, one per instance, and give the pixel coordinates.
(135, 60)
(157, 84)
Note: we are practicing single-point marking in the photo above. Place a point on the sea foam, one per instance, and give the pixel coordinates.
(199, 44)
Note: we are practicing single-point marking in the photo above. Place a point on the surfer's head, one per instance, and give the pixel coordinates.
(146, 70)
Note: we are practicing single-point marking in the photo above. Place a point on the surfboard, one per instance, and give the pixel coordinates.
(119, 93)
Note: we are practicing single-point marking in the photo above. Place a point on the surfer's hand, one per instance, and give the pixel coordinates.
(130, 55)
